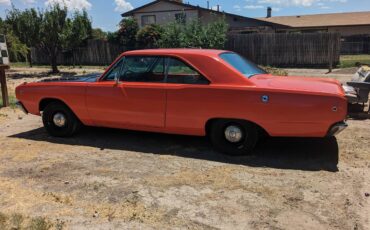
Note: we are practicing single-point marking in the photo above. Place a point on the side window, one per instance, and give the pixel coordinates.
(148, 20)
(115, 71)
(143, 69)
(180, 18)
(181, 73)
(4, 53)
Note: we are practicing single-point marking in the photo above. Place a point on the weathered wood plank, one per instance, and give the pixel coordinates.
(288, 50)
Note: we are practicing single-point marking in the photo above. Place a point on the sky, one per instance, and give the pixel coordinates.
(105, 14)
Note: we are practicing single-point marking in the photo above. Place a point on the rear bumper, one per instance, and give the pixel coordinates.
(337, 128)
(21, 107)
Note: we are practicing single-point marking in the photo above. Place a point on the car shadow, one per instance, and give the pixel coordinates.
(307, 154)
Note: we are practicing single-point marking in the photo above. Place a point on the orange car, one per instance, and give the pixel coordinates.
(191, 92)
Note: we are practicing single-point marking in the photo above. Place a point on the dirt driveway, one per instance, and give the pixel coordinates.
(117, 179)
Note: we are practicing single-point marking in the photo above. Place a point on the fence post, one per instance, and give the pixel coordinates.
(4, 88)
(331, 54)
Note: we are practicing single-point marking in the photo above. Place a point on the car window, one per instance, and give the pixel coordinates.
(143, 69)
(241, 64)
(115, 71)
(181, 73)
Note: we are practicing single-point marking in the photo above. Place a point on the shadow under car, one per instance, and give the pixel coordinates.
(309, 154)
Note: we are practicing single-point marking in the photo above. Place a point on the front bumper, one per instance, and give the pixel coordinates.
(337, 128)
(21, 107)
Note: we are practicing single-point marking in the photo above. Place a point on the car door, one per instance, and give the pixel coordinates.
(138, 99)
(188, 94)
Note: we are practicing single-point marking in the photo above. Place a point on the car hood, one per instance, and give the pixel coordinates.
(93, 77)
(299, 84)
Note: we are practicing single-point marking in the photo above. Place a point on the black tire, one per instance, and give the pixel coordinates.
(72, 124)
(243, 147)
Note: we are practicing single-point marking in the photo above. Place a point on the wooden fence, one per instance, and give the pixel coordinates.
(96, 52)
(281, 50)
(358, 44)
(288, 50)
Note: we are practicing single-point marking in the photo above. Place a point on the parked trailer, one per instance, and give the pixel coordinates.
(357, 92)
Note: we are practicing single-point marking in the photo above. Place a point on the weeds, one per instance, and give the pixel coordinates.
(40, 223)
(19, 222)
(275, 71)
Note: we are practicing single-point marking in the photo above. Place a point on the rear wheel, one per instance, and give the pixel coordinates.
(234, 137)
(59, 120)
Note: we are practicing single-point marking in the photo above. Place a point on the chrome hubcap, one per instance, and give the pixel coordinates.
(233, 134)
(59, 119)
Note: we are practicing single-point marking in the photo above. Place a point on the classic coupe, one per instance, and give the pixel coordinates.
(197, 92)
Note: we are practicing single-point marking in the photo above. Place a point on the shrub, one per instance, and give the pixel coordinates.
(194, 35)
(149, 36)
(127, 32)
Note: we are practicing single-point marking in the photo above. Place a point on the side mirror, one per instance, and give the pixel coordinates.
(116, 78)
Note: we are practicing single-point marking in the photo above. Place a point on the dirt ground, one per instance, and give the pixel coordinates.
(118, 179)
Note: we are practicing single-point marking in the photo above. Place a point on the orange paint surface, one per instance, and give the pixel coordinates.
(297, 106)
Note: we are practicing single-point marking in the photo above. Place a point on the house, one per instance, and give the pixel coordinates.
(164, 11)
(347, 24)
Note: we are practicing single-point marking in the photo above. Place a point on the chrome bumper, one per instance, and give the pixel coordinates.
(337, 128)
(21, 107)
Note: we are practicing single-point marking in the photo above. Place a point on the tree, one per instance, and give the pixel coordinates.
(149, 36)
(99, 34)
(26, 26)
(194, 35)
(127, 32)
(77, 30)
(54, 33)
(16, 49)
(171, 36)
(2, 26)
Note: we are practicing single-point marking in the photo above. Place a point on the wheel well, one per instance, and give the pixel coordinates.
(209, 123)
(44, 102)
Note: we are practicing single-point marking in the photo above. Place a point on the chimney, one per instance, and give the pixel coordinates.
(218, 7)
(207, 4)
(269, 12)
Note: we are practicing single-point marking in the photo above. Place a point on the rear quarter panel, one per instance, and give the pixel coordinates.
(286, 114)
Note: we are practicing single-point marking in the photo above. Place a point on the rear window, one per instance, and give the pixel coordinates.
(247, 68)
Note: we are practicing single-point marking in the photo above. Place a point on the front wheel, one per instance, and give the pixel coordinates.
(234, 137)
(59, 120)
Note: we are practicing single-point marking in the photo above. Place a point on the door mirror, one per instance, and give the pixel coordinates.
(116, 78)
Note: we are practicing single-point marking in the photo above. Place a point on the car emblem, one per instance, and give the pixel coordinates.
(265, 98)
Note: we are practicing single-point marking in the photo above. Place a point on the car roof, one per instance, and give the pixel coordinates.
(205, 52)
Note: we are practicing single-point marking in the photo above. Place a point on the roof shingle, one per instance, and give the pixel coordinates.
(322, 20)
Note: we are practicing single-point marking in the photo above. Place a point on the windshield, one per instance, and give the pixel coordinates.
(241, 64)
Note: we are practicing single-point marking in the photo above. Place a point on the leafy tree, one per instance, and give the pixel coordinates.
(17, 50)
(216, 34)
(127, 32)
(171, 36)
(149, 36)
(54, 33)
(2, 26)
(77, 30)
(194, 35)
(113, 37)
(26, 26)
(98, 33)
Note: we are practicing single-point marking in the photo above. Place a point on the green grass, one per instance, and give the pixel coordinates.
(12, 101)
(347, 61)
